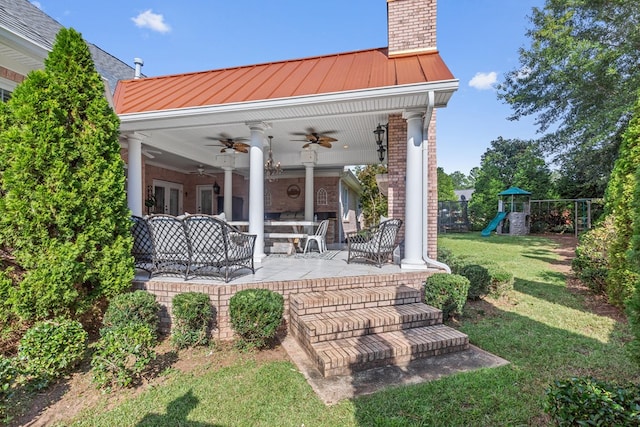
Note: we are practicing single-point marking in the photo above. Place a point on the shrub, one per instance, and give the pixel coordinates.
(454, 262)
(501, 281)
(591, 263)
(132, 307)
(122, 354)
(7, 377)
(192, 314)
(447, 292)
(255, 316)
(587, 401)
(479, 280)
(50, 349)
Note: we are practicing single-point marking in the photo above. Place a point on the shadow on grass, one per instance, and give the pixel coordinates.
(177, 412)
(508, 395)
(504, 240)
(551, 293)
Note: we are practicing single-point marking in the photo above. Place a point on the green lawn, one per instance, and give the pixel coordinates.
(541, 328)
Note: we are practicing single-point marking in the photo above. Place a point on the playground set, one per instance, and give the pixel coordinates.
(518, 214)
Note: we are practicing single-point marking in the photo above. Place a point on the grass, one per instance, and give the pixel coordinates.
(545, 331)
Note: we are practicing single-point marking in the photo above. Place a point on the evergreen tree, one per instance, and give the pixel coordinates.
(579, 78)
(63, 213)
(509, 162)
(619, 199)
(445, 187)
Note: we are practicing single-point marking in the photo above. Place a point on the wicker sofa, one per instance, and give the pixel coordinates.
(195, 245)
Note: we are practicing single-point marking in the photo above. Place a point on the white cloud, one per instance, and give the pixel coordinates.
(37, 4)
(153, 21)
(484, 81)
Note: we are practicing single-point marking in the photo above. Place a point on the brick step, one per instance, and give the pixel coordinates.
(312, 328)
(350, 299)
(344, 356)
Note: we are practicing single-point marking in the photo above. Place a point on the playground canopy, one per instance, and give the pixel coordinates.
(514, 191)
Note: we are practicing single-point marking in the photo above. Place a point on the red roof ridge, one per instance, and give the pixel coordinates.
(285, 61)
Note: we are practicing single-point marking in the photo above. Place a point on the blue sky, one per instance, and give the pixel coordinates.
(478, 39)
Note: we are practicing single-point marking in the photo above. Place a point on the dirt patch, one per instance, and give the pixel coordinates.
(597, 304)
(66, 399)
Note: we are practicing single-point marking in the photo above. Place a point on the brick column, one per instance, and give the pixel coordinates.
(396, 165)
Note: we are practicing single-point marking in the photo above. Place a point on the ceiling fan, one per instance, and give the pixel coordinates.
(201, 171)
(312, 137)
(150, 154)
(229, 143)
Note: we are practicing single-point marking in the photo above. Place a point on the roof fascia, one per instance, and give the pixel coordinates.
(24, 45)
(336, 97)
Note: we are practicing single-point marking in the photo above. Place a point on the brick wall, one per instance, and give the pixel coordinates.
(11, 75)
(281, 202)
(240, 186)
(220, 294)
(411, 26)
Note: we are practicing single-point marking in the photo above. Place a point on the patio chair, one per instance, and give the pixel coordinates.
(318, 237)
(170, 246)
(142, 250)
(216, 247)
(374, 244)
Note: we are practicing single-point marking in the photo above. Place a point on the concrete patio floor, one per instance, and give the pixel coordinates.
(313, 265)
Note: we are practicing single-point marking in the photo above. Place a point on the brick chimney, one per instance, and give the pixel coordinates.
(411, 26)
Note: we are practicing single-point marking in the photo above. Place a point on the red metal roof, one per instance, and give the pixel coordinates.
(349, 71)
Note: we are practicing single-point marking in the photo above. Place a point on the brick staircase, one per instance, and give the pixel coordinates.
(345, 331)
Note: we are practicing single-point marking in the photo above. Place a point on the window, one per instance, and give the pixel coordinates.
(267, 198)
(321, 197)
(5, 95)
(344, 201)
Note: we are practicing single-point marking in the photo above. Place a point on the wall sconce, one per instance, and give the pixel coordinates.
(216, 188)
(380, 138)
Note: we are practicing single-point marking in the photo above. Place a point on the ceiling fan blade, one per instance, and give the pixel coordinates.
(327, 139)
(242, 149)
(241, 145)
(325, 144)
(307, 145)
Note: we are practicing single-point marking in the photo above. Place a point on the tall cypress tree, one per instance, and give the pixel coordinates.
(63, 213)
(619, 197)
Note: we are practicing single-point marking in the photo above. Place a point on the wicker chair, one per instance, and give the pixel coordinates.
(142, 250)
(374, 244)
(170, 246)
(216, 247)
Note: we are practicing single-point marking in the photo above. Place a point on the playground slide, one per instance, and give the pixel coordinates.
(493, 224)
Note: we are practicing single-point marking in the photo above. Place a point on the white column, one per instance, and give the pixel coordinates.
(134, 163)
(256, 187)
(228, 193)
(413, 233)
(308, 191)
(309, 159)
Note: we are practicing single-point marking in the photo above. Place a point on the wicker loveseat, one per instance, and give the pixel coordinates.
(198, 245)
(374, 244)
